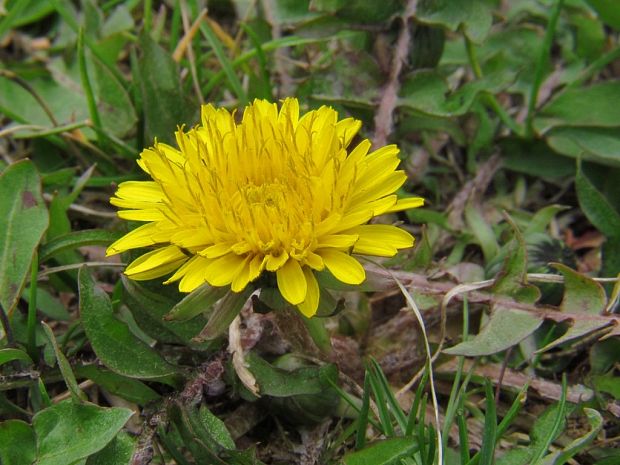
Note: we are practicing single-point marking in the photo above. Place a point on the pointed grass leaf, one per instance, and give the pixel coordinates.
(506, 328)
(384, 452)
(582, 295)
(17, 443)
(560, 457)
(65, 367)
(111, 339)
(23, 221)
(596, 206)
(67, 432)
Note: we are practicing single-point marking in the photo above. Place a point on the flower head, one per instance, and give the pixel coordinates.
(276, 193)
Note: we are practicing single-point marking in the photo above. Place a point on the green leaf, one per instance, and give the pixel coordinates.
(577, 329)
(607, 11)
(483, 232)
(582, 295)
(474, 16)
(68, 432)
(506, 328)
(65, 367)
(385, 452)
(23, 221)
(165, 105)
(512, 278)
(573, 107)
(76, 239)
(114, 344)
(559, 457)
(198, 302)
(48, 304)
(8, 355)
(149, 310)
(119, 451)
(223, 314)
(599, 145)
(129, 389)
(20, 439)
(595, 205)
(608, 383)
(277, 382)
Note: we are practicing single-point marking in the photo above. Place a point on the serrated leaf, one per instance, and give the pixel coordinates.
(506, 328)
(385, 452)
(114, 344)
(67, 432)
(13, 433)
(582, 295)
(23, 221)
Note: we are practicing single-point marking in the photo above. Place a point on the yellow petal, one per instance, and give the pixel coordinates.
(382, 240)
(221, 271)
(339, 241)
(292, 282)
(151, 214)
(156, 263)
(139, 237)
(406, 204)
(275, 262)
(344, 267)
(194, 275)
(310, 305)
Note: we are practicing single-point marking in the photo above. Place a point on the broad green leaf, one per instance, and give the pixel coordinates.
(541, 219)
(17, 443)
(76, 239)
(512, 278)
(119, 451)
(506, 328)
(149, 309)
(216, 428)
(67, 431)
(607, 11)
(383, 452)
(578, 328)
(534, 158)
(164, 102)
(114, 344)
(8, 355)
(483, 232)
(600, 145)
(582, 295)
(608, 383)
(198, 302)
(604, 355)
(474, 16)
(129, 389)
(113, 102)
(573, 107)
(23, 221)
(22, 12)
(596, 206)
(278, 382)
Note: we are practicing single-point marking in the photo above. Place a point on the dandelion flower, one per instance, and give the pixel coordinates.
(276, 193)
